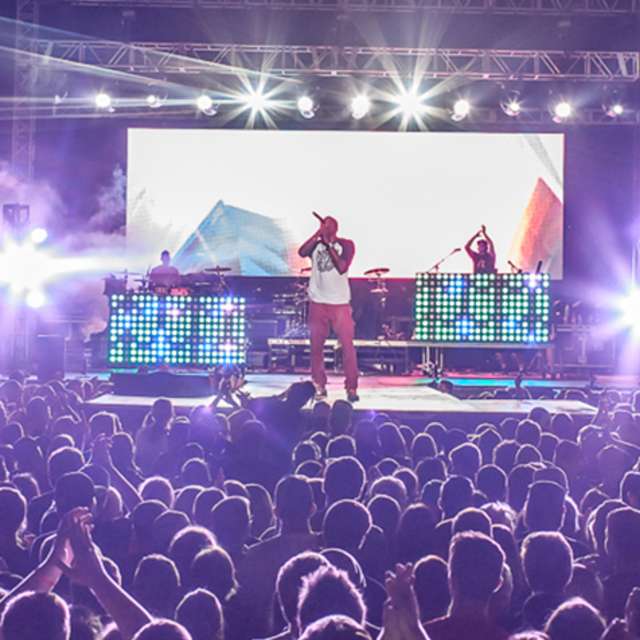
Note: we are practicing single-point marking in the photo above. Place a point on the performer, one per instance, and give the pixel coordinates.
(165, 274)
(484, 259)
(330, 303)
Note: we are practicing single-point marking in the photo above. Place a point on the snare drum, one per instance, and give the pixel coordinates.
(180, 291)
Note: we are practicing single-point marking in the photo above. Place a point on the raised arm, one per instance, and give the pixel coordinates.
(467, 247)
(492, 249)
(307, 247)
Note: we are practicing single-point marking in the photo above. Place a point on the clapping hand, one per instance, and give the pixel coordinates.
(401, 616)
(86, 565)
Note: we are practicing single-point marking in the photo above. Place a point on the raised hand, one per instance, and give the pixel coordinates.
(401, 614)
(86, 568)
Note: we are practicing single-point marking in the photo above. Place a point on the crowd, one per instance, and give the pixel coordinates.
(274, 522)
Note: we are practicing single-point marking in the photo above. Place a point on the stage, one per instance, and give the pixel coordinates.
(408, 398)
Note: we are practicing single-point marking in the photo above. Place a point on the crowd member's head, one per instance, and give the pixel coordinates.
(156, 585)
(157, 488)
(344, 477)
(13, 508)
(34, 616)
(528, 432)
(340, 417)
(166, 526)
(475, 568)
(346, 524)
(162, 630)
(548, 562)
(392, 444)
(61, 461)
(74, 490)
(200, 613)
(289, 583)
(212, 569)
(545, 506)
(630, 489)
(186, 545)
(328, 591)
(231, 522)
(492, 481)
(204, 503)
(456, 494)
(385, 513)
(575, 619)
(622, 536)
(335, 627)
(294, 503)
(504, 455)
(341, 446)
(423, 446)
(613, 463)
(432, 587)
(415, 533)
(465, 460)
(471, 519)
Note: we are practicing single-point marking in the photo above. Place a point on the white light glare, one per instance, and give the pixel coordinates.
(103, 100)
(39, 235)
(461, 109)
(513, 108)
(306, 107)
(206, 105)
(360, 106)
(35, 299)
(615, 110)
(410, 103)
(630, 308)
(255, 100)
(562, 110)
(154, 101)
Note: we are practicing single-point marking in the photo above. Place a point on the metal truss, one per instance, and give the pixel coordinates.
(24, 125)
(524, 7)
(328, 61)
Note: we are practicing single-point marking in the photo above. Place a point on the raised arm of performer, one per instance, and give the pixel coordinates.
(490, 245)
(468, 247)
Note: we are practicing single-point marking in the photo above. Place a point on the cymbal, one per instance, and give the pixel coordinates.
(123, 273)
(377, 271)
(379, 290)
(217, 269)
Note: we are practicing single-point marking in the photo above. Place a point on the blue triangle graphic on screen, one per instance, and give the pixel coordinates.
(249, 243)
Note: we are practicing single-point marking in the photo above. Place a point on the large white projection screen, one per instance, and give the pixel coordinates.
(243, 199)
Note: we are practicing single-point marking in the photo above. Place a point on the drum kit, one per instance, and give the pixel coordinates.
(209, 281)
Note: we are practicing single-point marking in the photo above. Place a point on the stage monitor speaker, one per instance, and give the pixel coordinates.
(49, 357)
(162, 383)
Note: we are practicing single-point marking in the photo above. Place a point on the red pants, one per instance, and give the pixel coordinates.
(322, 318)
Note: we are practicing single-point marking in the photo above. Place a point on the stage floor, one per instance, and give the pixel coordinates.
(398, 395)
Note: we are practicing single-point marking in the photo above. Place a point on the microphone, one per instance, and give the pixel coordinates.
(456, 250)
(514, 267)
(318, 216)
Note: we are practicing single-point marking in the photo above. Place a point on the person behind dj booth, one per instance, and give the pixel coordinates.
(165, 274)
(484, 259)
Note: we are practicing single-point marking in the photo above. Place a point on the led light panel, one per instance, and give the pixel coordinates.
(145, 329)
(501, 308)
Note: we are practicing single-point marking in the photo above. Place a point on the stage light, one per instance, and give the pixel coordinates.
(39, 235)
(411, 104)
(154, 101)
(562, 111)
(103, 101)
(256, 100)
(360, 106)
(630, 308)
(615, 110)
(306, 107)
(461, 109)
(511, 105)
(35, 299)
(206, 105)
